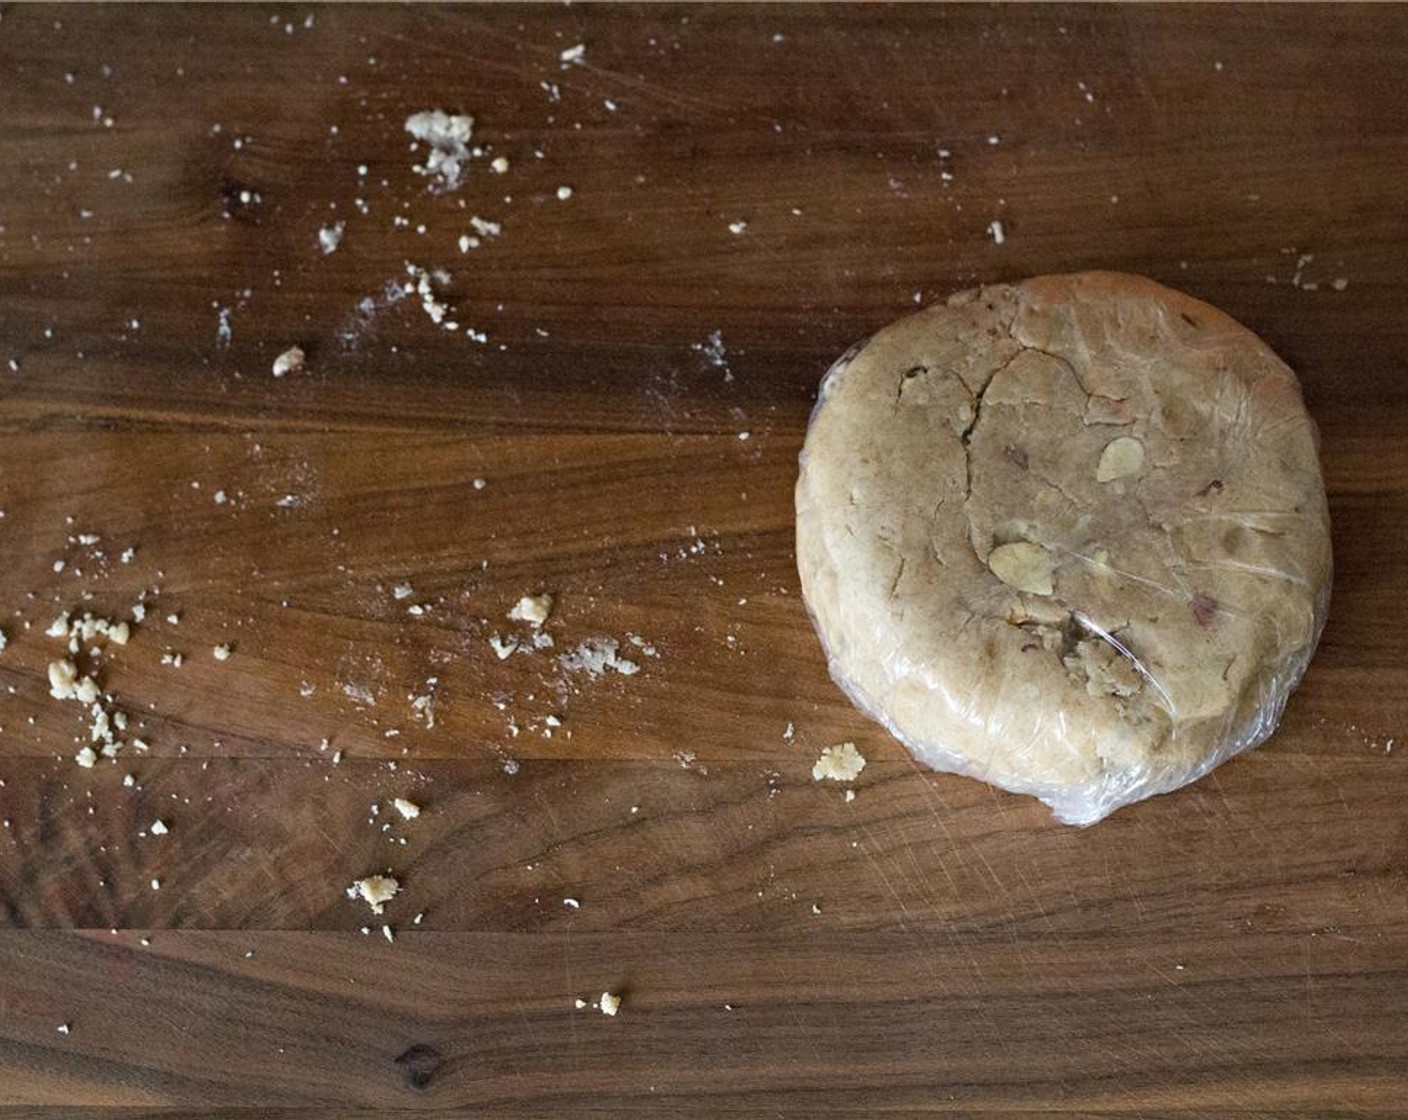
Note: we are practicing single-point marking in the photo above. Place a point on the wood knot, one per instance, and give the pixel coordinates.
(419, 1064)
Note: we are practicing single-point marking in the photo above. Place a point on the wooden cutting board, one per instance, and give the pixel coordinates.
(751, 190)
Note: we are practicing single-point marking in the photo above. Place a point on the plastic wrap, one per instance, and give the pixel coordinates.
(1019, 594)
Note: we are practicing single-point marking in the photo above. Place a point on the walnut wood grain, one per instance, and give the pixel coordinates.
(934, 946)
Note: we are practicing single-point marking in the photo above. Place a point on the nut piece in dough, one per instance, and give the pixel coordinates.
(1121, 458)
(1022, 565)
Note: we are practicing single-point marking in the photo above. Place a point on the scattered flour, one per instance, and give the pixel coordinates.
(714, 352)
(595, 656)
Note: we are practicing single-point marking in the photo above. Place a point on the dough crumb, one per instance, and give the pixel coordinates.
(841, 763)
(375, 890)
(610, 1003)
(63, 679)
(502, 646)
(408, 809)
(158, 828)
(533, 609)
(448, 136)
(434, 307)
(221, 653)
(330, 237)
(484, 227)
(292, 360)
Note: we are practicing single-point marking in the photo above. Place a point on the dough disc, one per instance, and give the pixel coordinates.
(1067, 536)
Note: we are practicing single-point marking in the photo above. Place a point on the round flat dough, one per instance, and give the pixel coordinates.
(1067, 536)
